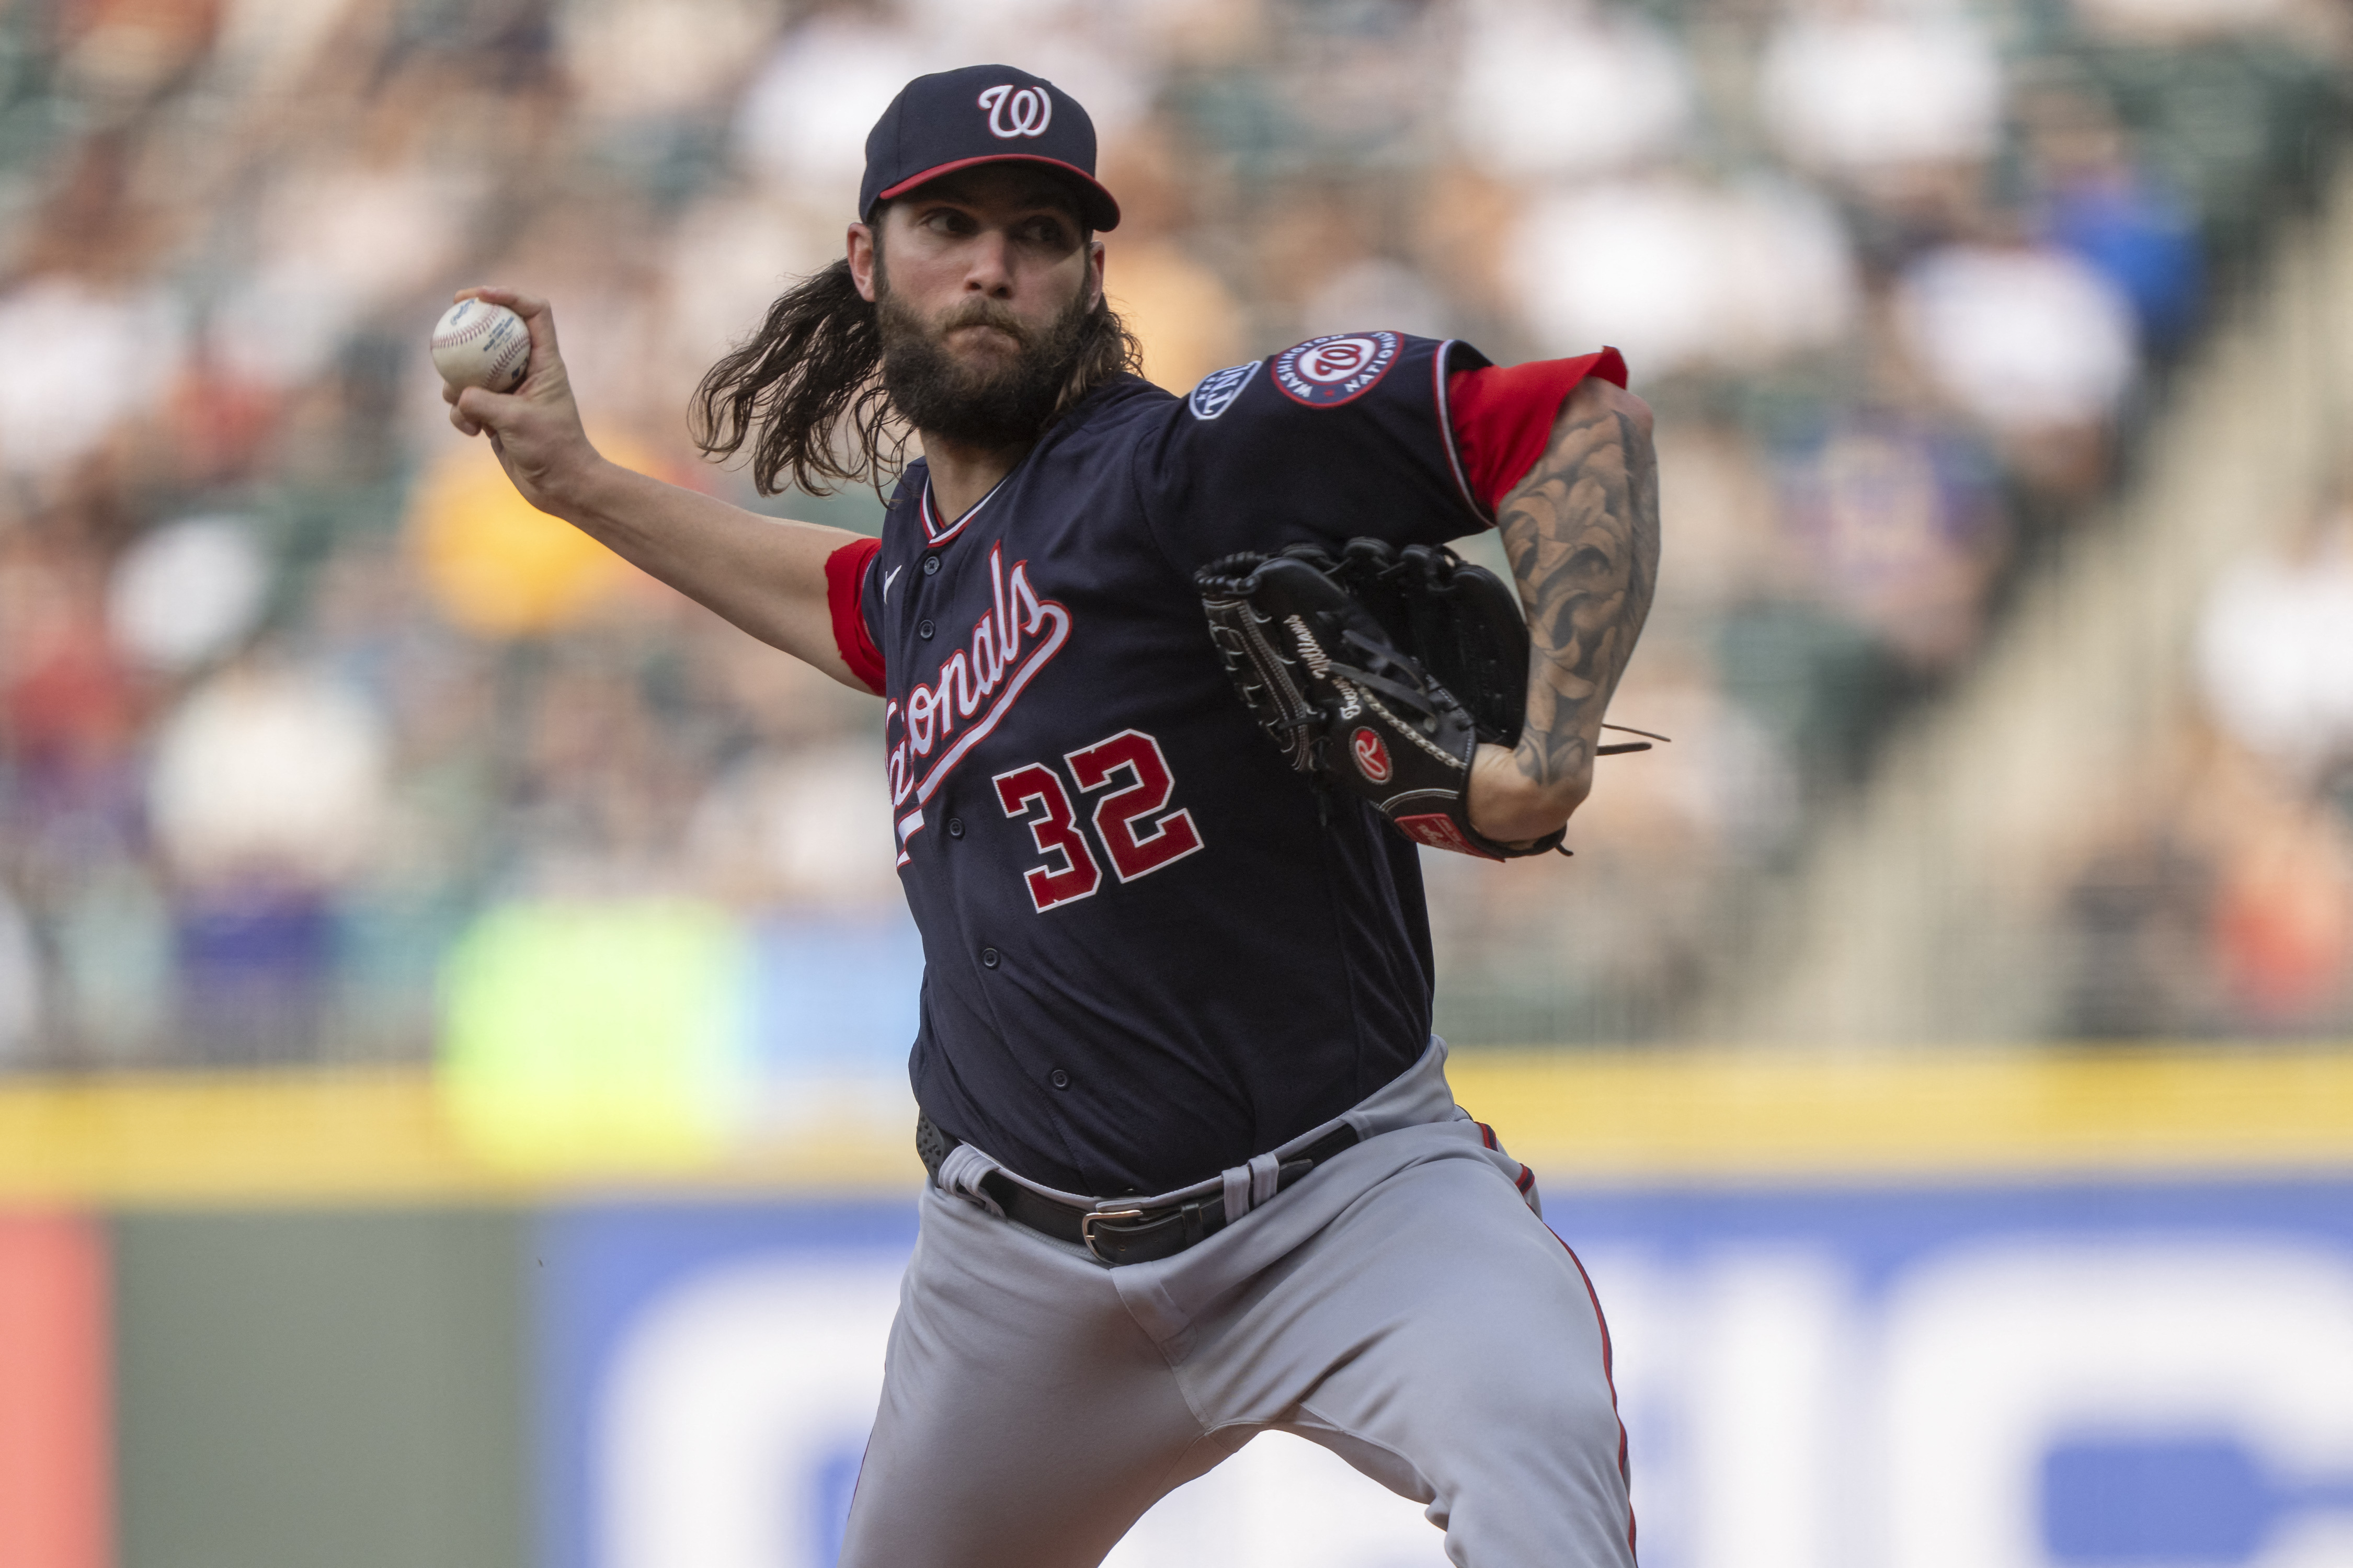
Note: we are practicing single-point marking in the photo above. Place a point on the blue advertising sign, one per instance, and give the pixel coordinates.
(2145, 1375)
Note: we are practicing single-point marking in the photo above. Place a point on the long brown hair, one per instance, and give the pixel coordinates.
(806, 388)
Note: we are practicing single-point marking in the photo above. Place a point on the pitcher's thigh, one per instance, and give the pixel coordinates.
(1024, 1422)
(1480, 1384)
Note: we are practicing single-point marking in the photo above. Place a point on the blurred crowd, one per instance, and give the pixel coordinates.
(295, 696)
(2217, 896)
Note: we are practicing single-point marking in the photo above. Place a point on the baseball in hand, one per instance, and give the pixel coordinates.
(477, 344)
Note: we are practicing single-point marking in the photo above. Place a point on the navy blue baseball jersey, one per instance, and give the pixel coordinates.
(1146, 958)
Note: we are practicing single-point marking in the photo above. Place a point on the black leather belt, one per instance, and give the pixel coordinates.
(1120, 1236)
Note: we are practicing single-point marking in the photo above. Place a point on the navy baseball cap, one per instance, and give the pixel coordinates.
(983, 114)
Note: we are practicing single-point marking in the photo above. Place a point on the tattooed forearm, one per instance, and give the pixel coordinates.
(1582, 532)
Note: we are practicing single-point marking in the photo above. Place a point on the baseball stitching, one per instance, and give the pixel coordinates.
(486, 323)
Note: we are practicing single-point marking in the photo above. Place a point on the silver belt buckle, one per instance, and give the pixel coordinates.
(1087, 1226)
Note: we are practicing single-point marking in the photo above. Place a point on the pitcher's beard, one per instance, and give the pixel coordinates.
(1002, 402)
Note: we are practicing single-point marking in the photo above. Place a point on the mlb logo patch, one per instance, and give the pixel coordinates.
(1324, 373)
(1219, 388)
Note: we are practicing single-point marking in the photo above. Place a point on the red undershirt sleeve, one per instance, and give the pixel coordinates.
(845, 588)
(1503, 417)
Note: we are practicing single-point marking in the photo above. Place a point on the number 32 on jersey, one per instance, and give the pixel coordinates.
(1137, 831)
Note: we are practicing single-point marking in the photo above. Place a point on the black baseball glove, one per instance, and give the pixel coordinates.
(1378, 671)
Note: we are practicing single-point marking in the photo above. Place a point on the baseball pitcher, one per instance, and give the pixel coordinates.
(1173, 689)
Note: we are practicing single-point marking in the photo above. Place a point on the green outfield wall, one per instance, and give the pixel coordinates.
(320, 1388)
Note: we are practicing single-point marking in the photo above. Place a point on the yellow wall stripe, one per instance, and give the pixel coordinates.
(383, 1136)
(1714, 1117)
(349, 1137)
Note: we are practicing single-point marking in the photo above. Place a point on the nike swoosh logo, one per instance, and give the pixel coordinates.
(886, 579)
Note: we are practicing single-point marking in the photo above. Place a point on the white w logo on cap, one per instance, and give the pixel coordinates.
(1016, 111)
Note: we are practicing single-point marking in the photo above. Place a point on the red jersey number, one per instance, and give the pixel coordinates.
(1139, 832)
(1167, 838)
(1057, 836)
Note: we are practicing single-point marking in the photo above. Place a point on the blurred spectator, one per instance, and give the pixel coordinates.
(75, 359)
(496, 565)
(188, 592)
(217, 421)
(1358, 85)
(604, 786)
(267, 773)
(802, 124)
(266, 793)
(648, 74)
(2097, 203)
(1876, 92)
(2033, 343)
(1617, 90)
(2138, 919)
(1682, 276)
(2275, 650)
(640, 64)
(2216, 897)
(2283, 920)
(1823, 687)
(67, 704)
(1900, 527)
(254, 974)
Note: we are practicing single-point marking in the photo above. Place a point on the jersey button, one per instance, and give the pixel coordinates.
(1058, 1078)
(955, 828)
(931, 565)
(923, 629)
(988, 957)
